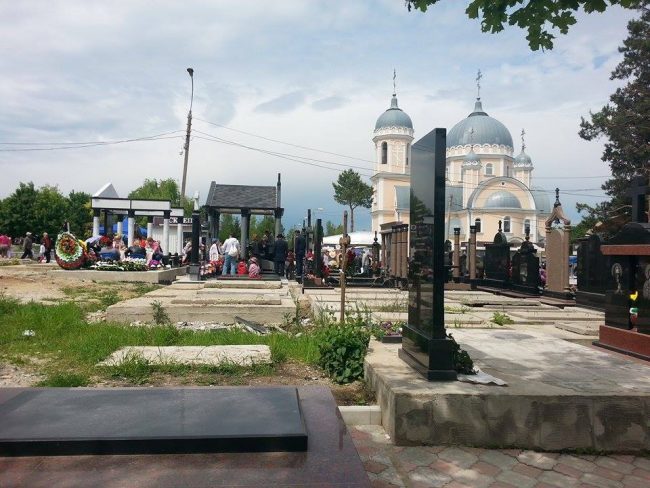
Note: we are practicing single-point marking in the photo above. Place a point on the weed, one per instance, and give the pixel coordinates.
(133, 368)
(108, 298)
(65, 380)
(160, 316)
(501, 318)
(342, 350)
(397, 305)
(143, 288)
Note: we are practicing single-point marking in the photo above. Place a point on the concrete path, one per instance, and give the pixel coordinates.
(455, 467)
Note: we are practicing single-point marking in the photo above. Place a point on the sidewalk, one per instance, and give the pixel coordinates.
(456, 467)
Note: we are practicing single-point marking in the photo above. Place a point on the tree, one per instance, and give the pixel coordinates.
(79, 213)
(332, 229)
(624, 123)
(350, 190)
(153, 189)
(229, 225)
(532, 15)
(16, 211)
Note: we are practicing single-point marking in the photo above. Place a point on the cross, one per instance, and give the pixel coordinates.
(479, 75)
(523, 143)
(638, 192)
(394, 77)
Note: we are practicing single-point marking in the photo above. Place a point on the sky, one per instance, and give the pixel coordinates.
(315, 74)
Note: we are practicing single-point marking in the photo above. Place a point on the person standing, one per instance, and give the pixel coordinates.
(27, 247)
(49, 245)
(214, 250)
(280, 250)
(299, 248)
(231, 253)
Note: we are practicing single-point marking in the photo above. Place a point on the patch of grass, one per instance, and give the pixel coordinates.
(143, 288)
(501, 318)
(70, 344)
(160, 315)
(397, 305)
(9, 262)
(65, 380)
(460, 310)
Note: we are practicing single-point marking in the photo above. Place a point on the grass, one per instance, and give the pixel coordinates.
(501, 318)
(72, 347)
(397, 305)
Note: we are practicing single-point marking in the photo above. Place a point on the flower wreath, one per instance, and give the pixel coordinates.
(68, 251)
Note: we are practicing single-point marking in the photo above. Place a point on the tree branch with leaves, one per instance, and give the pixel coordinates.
(350, 190)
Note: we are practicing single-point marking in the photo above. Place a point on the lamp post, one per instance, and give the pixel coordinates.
(187, 137)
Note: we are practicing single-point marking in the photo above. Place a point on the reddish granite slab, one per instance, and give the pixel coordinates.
(625, 249)
(625, 341)
(331, 460)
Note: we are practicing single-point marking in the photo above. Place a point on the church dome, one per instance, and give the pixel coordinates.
(394, 117)
(523, 159)
(502, 199)
(486, 130)
(471, 159)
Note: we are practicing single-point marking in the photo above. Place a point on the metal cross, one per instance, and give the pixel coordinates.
(394, 77)
(523, 143)
(479, 75)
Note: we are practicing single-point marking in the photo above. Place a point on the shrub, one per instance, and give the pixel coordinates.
(65, 380)
(462, 362)
(342, 349)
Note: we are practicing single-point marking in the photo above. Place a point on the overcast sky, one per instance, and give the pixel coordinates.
(310, 73)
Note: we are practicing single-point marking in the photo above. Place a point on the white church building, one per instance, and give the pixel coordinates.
(486, 182)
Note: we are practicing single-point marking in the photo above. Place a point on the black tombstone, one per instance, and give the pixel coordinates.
(497, 260)
(592, 270)
(525, 268)
(425, 345)
(628, 279)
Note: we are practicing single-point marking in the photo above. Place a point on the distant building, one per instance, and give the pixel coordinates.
(486, 183)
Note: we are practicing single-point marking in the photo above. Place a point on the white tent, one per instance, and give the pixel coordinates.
(362, 238)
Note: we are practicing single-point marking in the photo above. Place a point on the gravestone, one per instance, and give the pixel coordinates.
(592, 270)
(497, 260)
(425, 345)
(525, 267)
(558, 240)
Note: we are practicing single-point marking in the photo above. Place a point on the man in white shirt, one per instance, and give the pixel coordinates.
(231, 253)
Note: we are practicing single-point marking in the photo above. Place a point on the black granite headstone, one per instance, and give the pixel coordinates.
(525, 268)
(497, 258)
(425, 345)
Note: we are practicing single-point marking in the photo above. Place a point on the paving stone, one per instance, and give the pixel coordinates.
(417, 456)
(634, 482)
(377, 482)
(615, 465)
(444, 467)
(538, 459)
(516, 479)
(426, 475)
(456, 484)
(498, 458)
(391, 476)
(641, 473)
(568, 470)
(643, 463)
(473, 478)
(599, 481)
(458, 457)
(486, 468)
(578, 463)
(501, 484)
(526, 470)
(557, 479)
(608, 473)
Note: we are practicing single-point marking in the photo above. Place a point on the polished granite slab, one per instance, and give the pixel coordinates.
(330, 460)
(67, 421)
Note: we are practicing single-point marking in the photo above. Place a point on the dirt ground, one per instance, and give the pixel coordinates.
(33, 282)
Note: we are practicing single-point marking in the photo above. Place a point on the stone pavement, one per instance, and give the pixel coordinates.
(454, 467)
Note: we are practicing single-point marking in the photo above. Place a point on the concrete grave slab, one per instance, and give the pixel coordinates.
(241, 355)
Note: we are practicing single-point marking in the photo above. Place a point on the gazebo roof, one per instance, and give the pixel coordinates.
(237, 197)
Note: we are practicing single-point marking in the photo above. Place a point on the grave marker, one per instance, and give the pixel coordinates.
(558, 241)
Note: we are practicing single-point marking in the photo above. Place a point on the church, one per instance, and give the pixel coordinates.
(486, 182)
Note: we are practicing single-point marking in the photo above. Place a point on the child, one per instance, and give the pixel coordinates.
(254, 269)
(241, 268)
(41, 253)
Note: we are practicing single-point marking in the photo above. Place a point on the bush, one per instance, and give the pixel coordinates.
(463, 364)
(342, 349)
(65, 380)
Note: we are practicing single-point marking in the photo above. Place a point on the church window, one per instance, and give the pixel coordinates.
(384, 153)
(526, 224)
(408, 146)
(507, 170)
(477, 224)
(489, 169)
(506, 224)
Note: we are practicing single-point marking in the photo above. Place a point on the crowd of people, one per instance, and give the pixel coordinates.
(25, 247)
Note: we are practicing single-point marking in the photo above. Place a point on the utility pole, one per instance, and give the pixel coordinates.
(187, 138)
(344, 242)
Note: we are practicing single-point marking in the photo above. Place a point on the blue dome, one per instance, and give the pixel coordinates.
(394, 117)
(523, 159)
(502, 199)
(486, 130)
(542, 202)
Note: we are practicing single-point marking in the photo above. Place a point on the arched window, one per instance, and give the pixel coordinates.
(489, 169)
(506, 224)
(507, 170)
(526, 224)
(447, 173)
(408, 147)
(384, 153)
(477, 224)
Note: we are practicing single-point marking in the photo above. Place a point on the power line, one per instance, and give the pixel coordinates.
(284, 142)
(58, 146)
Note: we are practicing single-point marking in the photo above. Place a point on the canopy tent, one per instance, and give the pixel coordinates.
(361, 238)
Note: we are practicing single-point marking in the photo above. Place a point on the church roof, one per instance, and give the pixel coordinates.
(394, 117)
(523, 159)
(542, 202)
(479, 128)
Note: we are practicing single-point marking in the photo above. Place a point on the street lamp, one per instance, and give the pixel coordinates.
(187, 137)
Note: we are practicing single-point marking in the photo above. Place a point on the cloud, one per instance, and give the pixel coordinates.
(282, 104)
(329, 103)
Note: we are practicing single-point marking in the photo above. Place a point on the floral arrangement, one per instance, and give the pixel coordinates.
(105, 241)
(69, 252)
(387, 329)
(126, 265)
